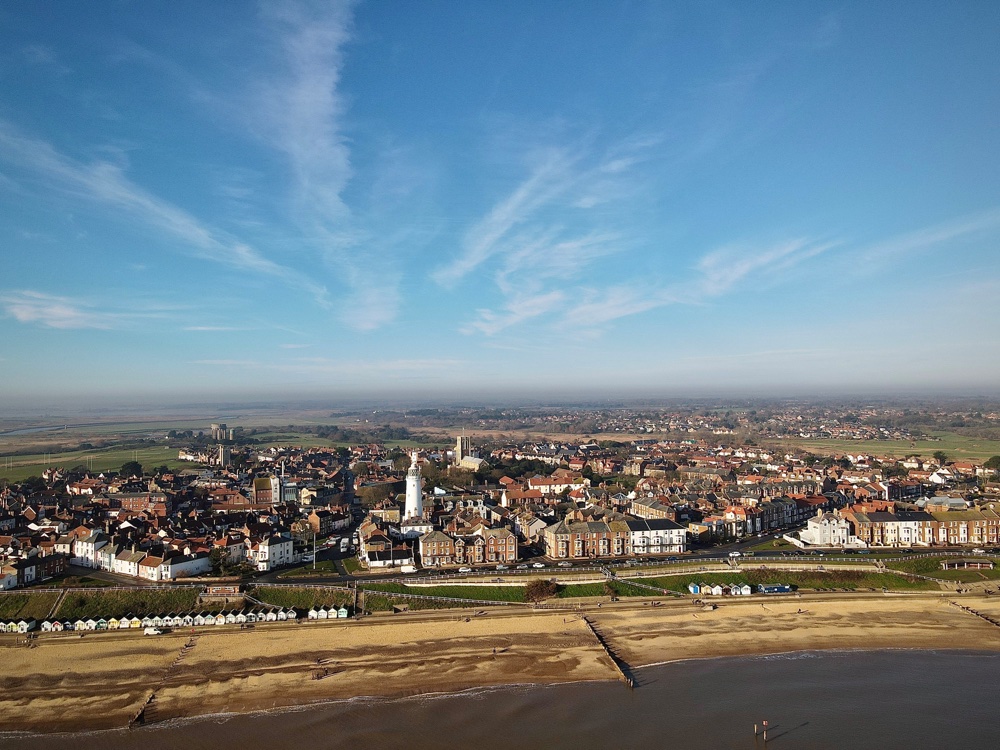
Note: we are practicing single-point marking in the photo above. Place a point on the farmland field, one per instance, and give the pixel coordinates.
(957, 447)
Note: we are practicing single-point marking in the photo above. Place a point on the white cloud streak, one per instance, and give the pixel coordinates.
(106, 184)
(927, 237)
(51, 311)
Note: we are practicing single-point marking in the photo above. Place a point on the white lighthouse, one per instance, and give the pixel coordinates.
(414, 500)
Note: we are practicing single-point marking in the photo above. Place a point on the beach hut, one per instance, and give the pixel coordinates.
(230, 618)
(220, 619)
(187, 621)
(694, 588)
(716, 590)
(125, 623)
(176, 621)
(241, 618)
(147, 622)
(135, 622)
(251, 616)
(322, 613)
(23, 626)
(8, 626)
(291, 615)
(46, 626)
(746, 589)
(312, 614)
(158, 621)
(271, 616)
(199, 620)
(102, 624)
(110, 624)
(91, 624)
(282, 615)
(342, 612)
(58, 626)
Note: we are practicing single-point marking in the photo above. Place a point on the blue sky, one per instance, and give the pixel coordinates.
(207, 199)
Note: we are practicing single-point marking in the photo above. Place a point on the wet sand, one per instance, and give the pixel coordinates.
(69, 683)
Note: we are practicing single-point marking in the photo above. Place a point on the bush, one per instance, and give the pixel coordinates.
(537, 591)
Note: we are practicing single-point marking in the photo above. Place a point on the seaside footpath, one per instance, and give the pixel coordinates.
(68, 683)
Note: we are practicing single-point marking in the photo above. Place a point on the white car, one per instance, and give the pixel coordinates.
(735, 554)
(465, 570)
(538, 565)
(565, 564)
(502, 567)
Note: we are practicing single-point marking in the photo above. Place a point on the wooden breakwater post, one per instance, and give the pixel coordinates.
(623, 669)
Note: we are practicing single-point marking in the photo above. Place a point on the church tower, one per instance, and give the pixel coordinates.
(414, 501)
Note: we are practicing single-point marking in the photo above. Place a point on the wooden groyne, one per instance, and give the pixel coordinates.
(621, 666)
(145, 712)
(980, 615)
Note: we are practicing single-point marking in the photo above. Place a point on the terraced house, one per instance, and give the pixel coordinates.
(586, 540)
(440, 549)
(919, 528)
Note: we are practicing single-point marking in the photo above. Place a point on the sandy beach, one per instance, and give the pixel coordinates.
(69, 683)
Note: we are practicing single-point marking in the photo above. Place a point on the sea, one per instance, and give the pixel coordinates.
(824, 700)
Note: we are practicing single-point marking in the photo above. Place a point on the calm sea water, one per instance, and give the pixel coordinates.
(812, 701)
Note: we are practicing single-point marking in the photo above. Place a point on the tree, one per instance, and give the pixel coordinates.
(540, 590)
(131, 469)
(993, 462)
(941, 457)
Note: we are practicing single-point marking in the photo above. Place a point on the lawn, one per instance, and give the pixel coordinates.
(851, 580)
(303, 597)
(485, 593)
(619, 588)
(324, 567)
(138, 602)
(931, 566)
(377, 601)
(351, 564)
(21, 604)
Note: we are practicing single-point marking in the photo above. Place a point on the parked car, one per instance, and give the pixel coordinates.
(565, 564)
(465, 570)
(502, 567)
(538, 565)
(523, 566)
(736, 554)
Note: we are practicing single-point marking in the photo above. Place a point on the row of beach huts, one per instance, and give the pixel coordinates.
(736, 589)
(189, 620)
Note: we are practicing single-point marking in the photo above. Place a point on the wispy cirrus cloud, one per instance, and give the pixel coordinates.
(299, 112)
(106, 184)
(543, 235)
(52, 311)
(927, 237)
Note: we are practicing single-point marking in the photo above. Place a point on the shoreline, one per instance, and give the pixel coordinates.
(75, 686)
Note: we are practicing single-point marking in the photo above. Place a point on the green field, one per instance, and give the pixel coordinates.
(620, 588)
(21, 604)
(485, 593)
(139, 602)
(99, 460)
(323, 567)
(303, 597)
(849, 580)
(931, 566)
(957, 447)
